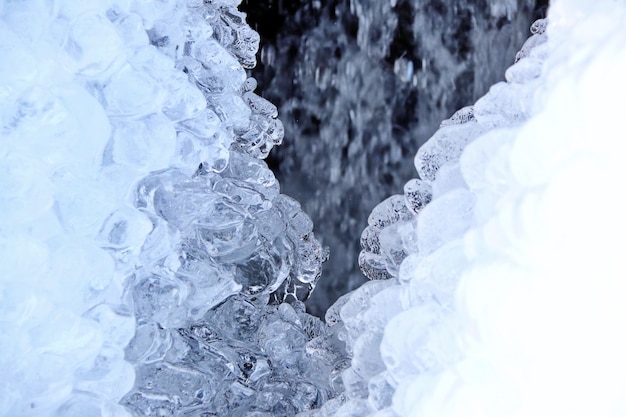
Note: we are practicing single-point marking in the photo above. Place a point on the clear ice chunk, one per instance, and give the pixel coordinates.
(373, 266)
(245, 356)
(388, 212)
(417, 194)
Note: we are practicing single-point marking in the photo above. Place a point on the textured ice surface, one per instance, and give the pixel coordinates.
(502, 286)
(360, 85)
(243, 358)
(144, 246)
(415, 242)
(142, 238)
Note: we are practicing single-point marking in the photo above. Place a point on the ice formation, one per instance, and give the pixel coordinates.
(145, 244)
(360, 84)
(146, 252)
(495, 291)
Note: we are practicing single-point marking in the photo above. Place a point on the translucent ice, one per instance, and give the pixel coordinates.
(360, 85)
(472, 328)
(146, 250)
(136, 212)
(244, 356)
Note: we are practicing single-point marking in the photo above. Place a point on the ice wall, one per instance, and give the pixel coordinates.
(146, 247)
(145, 244)
(496, 291)
(360, 85)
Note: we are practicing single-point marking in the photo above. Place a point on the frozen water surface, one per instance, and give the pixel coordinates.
(151, 266)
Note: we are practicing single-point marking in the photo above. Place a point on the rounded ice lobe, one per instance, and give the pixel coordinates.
(444, 146)
(147, 143)
(91, 55)
(380, 257)
(410, 345)
(131, 94)
(220, 71)
(417, 194)
(446, 218)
